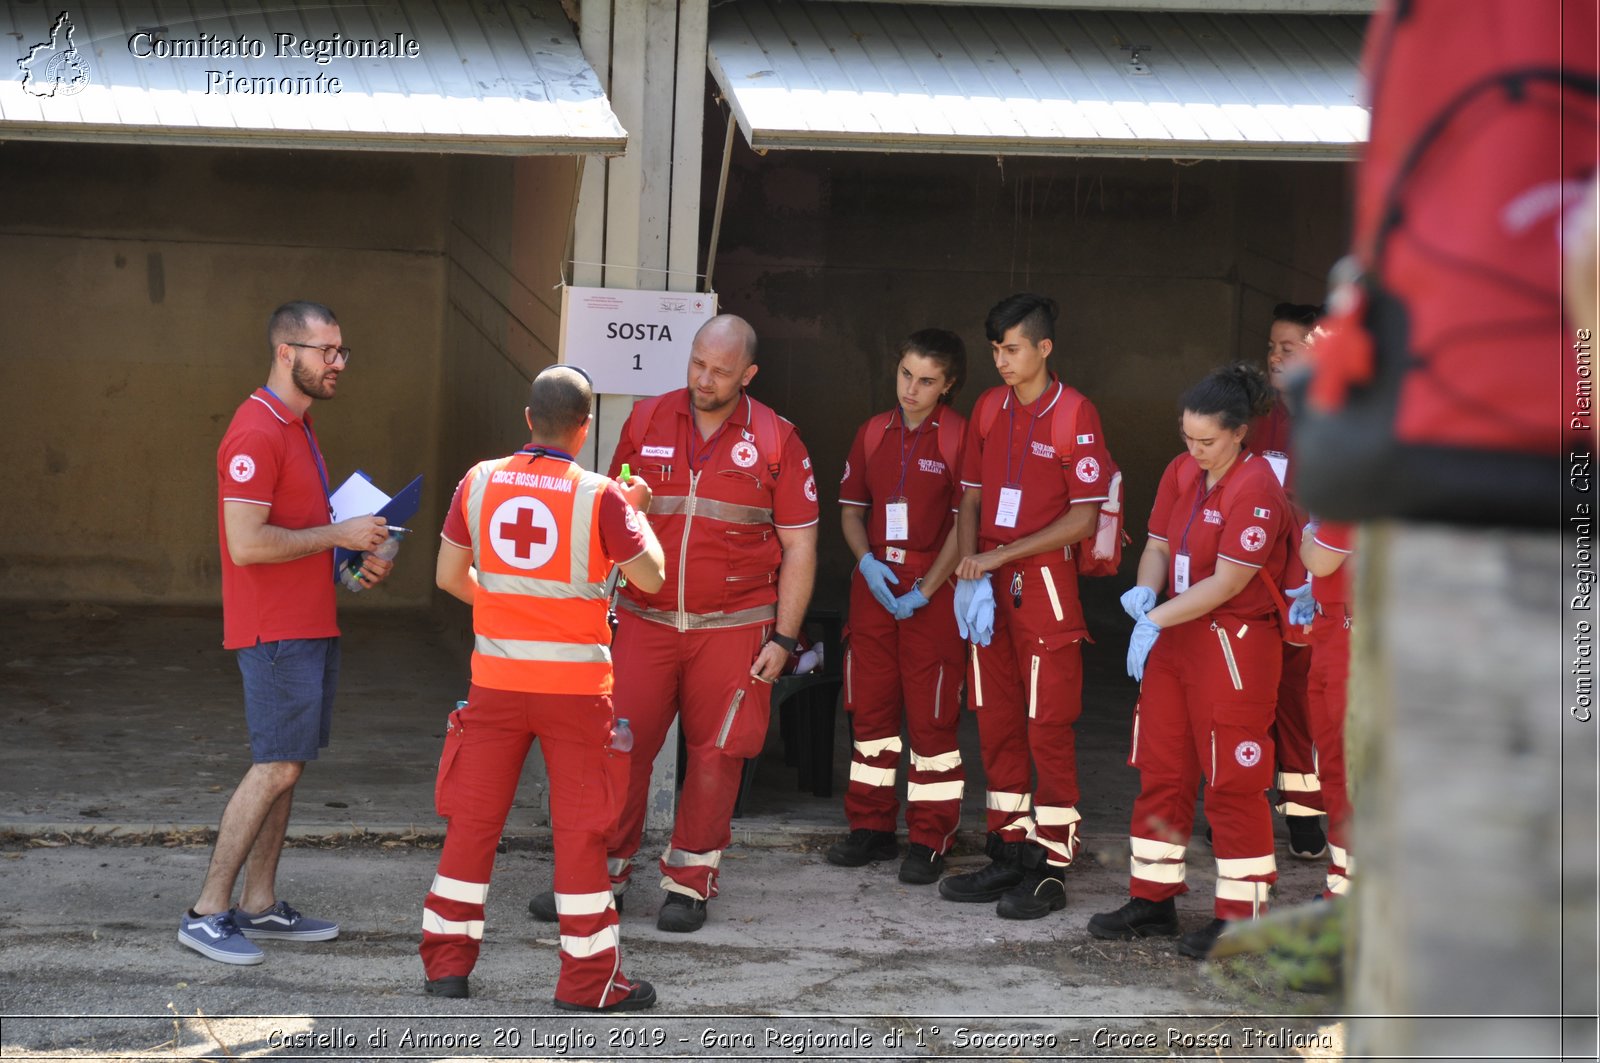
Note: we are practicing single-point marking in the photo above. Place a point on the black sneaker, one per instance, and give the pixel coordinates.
(451, 985)
(864, 847)
(1198, 943)
(1306, 840)
(988, 883)
(921, 866)
(680, 914)
(1139, 918)
(640, 996)
(543, 906)
(1041, 891)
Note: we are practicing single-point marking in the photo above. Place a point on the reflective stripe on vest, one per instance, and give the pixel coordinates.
(539, 615)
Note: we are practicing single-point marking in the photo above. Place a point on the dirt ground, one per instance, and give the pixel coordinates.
(124, 735)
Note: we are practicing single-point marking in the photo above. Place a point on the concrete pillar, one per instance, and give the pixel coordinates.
(1475, 838)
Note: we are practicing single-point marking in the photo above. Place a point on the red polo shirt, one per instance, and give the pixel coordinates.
(1244, 518)
(1335, 589)
(1019, 450)
(905, 465)
(269, 457)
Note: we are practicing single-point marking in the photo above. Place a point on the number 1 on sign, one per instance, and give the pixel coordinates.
(636, 364)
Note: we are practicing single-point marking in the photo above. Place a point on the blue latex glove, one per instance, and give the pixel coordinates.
(1138, 601)
(980, 614)
(1145, 633)
(964, 590)
(908, 603)
(1304, 609)
(878, 576)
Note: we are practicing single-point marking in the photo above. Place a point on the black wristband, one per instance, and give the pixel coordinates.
(784, 642)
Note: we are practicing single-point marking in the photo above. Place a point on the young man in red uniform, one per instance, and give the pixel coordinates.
(273, 521)
(1218, 535)
(735, 505)
(898, 496)
(1031, 493)
(529, 543)
(1300, 800)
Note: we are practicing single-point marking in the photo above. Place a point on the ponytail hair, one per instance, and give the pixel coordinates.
(1234, 395)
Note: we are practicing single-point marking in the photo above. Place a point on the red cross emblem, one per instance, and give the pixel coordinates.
(1253, 538)
(241, 467)
(523, 533)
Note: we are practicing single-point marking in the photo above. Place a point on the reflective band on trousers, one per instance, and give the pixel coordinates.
(934, 791)
(433, 924)
(938, 762)
(867, 775)
(1000, 801)
(728, 512)
(1295, 808)
(1305, 784)
(581, 947)
(1150, 849)
(873, 747)
(1152, 871)
(1246, 866)
(759, 614)
(1338, 885)
(679, 858)
(453, 889)
(1342, 858)
(1230, 889)
(1056, 815)
(564, 652)
(582, 903)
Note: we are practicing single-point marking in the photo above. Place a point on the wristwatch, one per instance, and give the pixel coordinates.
(783, 642)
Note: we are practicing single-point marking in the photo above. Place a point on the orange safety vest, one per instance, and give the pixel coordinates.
(539, 615)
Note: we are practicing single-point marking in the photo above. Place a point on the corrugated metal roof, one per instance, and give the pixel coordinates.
(404, 75)
(1017, 81)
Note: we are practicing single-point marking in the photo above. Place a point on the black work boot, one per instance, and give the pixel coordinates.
(1306, 840)
(989, 883)
(864, 846)
(1198, 943)
(1138, 918)
(451, 985)
(681, 913)
(1043, 889)
(543, 906)
(921, 865)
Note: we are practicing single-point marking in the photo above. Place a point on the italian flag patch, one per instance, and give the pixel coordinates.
(1089, 438)
(1263, 513)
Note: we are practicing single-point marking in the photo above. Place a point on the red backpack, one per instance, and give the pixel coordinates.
(949, 441)
(1100, 555)
(1439, 393)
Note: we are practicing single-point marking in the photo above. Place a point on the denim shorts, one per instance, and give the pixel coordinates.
(288, 696)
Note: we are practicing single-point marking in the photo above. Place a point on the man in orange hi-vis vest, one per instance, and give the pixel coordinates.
(529, 543)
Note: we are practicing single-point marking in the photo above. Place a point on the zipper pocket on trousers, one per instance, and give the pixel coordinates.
(1050, 590)
(849, 674)
(1212, 778)
(1033, 688)
(727, 721)
(938, 692)
(1133, 754)
(1233, 666)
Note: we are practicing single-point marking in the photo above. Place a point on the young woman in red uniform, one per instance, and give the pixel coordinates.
(1219, 534)
(898, 497)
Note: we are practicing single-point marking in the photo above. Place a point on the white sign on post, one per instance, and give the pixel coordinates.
(632, 342)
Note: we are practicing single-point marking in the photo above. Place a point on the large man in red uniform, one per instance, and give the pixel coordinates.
(735, 505)
(529, 543)
(1035, 477)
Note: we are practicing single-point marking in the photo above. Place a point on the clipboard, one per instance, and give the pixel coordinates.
(397, 510)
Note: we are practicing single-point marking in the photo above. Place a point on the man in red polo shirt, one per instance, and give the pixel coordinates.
(1035, 474)
(273, 520)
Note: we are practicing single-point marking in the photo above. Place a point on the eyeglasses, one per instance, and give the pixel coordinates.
(331, 352)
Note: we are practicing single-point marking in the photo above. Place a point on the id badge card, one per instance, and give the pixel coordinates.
(897, 520)
(1280, 464)
(1010, 502)
(1180, 573)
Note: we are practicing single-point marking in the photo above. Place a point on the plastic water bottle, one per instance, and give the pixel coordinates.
(385, 550)
(622, 736)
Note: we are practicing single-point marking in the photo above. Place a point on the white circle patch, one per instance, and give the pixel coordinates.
(744, 454)
(1248, 754)
(1253, 538)
(811, 488)
(631, 521)
(1088, 470)
(523, 533)
(241, 467)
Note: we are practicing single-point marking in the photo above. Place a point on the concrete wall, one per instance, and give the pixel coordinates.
(1162, 272)
(137, 282)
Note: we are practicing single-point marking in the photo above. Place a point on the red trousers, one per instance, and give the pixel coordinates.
(702, 678)
(1328, 685)
(1299, 790)
(1205, 709)
(484, 750)
(908, 670)
(1027, 688)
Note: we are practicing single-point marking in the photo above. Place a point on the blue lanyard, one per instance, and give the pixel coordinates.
(1027, 446)
(316, 452)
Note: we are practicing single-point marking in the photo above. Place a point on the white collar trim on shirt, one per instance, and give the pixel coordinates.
(268, 405)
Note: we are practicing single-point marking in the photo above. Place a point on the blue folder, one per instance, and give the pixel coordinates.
(399, 509)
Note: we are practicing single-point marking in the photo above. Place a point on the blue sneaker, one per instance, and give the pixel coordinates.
(218, 937)
(284, 923)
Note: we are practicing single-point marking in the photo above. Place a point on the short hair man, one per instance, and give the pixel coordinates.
(529, 543)
(735, 505)
(278, 612)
